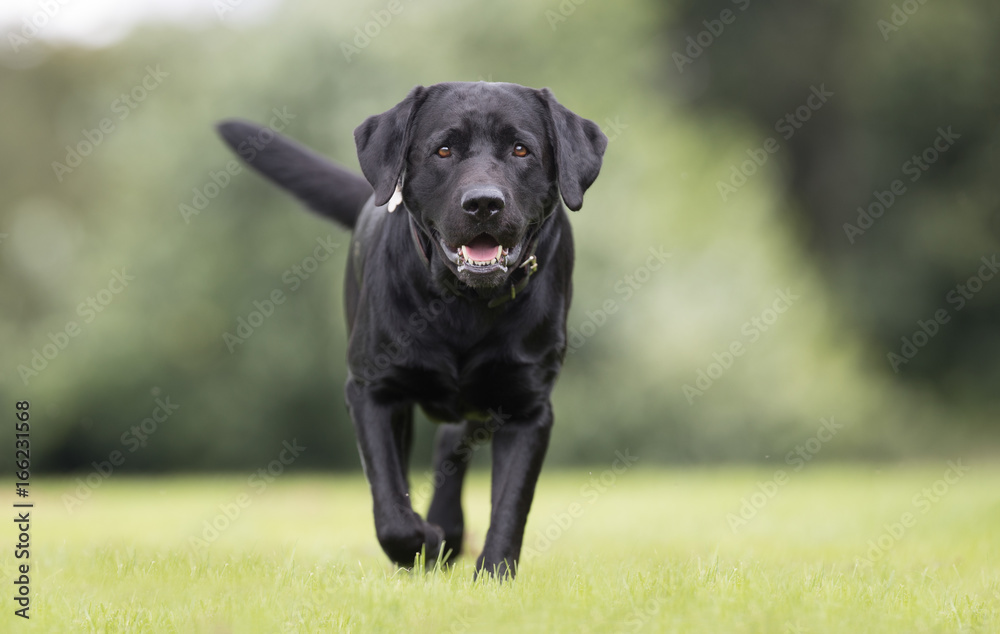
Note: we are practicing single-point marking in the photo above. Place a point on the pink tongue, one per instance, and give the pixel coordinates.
(482, 249)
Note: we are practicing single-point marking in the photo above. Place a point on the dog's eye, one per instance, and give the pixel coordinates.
(444, 151)
(520, 151)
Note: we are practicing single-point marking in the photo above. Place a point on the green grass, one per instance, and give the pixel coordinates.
(653, 553)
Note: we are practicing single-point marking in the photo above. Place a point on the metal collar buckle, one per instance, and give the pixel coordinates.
(530, 265)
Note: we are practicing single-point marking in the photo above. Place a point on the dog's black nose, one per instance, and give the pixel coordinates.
(483, 201)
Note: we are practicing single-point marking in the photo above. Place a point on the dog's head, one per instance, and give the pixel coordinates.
(480, 166)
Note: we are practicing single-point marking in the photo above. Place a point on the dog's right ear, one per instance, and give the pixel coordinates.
(383, 141)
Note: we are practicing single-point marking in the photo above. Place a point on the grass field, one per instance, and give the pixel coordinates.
(653, 552)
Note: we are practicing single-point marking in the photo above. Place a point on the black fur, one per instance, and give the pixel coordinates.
(424, 333)
(327, 189)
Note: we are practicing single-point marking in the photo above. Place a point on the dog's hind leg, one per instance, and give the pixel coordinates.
(452, 453)
(383, 439)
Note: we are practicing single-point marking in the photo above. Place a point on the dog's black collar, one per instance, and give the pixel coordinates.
(528, 266)
(415, 233)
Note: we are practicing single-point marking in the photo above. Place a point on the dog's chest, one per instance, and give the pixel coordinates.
(474, 386)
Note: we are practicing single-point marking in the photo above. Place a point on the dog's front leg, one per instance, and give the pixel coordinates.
(518, 451)
(383, 432)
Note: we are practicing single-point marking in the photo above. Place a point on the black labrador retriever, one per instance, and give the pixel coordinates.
(458, 285)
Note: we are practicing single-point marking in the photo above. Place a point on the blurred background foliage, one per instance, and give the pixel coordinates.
(680, 117)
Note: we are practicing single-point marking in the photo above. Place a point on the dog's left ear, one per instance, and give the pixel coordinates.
(579, 148)
(383, 141)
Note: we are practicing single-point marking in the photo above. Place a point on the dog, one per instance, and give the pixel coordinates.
(457, 288)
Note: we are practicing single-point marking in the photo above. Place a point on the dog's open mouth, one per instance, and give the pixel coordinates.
(483, 254)
(483, 250)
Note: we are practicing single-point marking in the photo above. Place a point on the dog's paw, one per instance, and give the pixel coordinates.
(498, 568)
(434, 544)
(453, 531)
(403, 543)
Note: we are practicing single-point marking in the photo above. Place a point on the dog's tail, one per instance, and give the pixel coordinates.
(327, 189)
